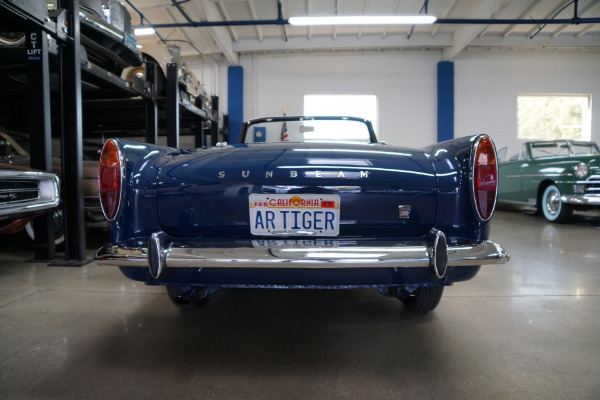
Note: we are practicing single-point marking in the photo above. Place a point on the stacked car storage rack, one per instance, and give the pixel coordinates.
(50, 89)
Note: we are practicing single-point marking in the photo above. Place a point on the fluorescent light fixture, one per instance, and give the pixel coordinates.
(364, 20)
(143, 31)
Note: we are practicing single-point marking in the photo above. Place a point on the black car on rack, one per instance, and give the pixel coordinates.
(106, 35)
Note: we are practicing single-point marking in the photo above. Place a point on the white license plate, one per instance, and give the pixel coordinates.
(295, 214)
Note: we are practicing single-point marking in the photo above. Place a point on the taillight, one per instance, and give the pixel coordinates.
(110, 179)
(484, 177)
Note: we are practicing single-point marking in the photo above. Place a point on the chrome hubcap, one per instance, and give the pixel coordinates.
(553, 203)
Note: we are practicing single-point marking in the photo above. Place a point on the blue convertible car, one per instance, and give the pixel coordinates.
(301, 202)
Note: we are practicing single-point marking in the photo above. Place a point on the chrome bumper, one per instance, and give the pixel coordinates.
(581, 199)
(161, 254)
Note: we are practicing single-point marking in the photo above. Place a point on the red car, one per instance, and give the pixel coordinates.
(24, 194)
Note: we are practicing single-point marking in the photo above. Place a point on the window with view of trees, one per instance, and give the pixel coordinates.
(554, 117)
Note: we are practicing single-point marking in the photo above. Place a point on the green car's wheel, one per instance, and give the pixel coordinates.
(553, 208)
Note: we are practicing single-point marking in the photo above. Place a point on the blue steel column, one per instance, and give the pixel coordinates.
(235, 101)
(445, 102)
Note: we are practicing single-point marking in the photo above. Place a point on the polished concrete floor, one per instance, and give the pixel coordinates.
(529, 329)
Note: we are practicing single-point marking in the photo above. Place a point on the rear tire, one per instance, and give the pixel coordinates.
(194, 303)
(426, 299)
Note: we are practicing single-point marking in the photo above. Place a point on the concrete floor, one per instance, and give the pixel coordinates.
(525, 330)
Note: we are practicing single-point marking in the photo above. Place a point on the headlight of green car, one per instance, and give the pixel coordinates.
(581, 170)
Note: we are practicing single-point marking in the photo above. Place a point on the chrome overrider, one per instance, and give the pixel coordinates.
(162, 253)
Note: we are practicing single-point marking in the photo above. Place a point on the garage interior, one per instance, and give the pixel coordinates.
(70, 328)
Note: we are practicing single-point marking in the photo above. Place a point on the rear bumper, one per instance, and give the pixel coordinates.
(162, 254)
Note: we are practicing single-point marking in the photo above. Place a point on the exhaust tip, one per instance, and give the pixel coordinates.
(182, 301)
(190, 295)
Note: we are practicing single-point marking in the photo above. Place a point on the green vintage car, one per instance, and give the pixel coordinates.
(556, 176)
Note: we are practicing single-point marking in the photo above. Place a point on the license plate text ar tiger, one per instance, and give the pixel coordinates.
(304, 214)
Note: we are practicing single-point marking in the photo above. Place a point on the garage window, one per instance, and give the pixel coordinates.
(549, 117)
(346, 105)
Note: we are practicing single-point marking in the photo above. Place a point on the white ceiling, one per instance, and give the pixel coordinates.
(450, 39)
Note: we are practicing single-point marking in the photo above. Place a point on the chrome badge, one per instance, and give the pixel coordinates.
(404, 211)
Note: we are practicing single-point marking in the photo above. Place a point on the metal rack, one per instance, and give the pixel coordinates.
(52, 91)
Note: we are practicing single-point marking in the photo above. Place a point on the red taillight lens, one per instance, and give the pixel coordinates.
(485, 178)
(109, 179)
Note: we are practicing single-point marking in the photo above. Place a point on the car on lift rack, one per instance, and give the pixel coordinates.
(190, 89)
(106, 35)
(555, 176)
(301, 202)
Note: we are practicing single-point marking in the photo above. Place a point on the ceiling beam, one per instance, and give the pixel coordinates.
(551, 15)
(208, 11)
(193, 38)
(416, 42)
(394, 10)
(581, 12)
(223, 11)
(583, 31)
(309, 12)
(445, 14)
(365, 8)
(496, 13)
(326, 42)
(464, 34)
(254, 15)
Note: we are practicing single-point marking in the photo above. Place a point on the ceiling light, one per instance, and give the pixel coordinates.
(364, 20)
(143, 31)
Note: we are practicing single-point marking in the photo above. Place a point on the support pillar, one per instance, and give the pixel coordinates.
(235, 101)
(38, 87)
(72, 147)
(445, 101)
(172, 106)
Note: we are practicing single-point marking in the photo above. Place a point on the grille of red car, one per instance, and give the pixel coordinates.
(12, 191)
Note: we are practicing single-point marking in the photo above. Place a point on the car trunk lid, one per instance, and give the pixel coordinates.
(377, 191)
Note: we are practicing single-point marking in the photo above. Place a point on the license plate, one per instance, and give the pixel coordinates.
(295, 214)
(268, 243)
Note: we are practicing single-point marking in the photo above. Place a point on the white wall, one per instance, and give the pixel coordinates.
(404, 83)
(486, 88)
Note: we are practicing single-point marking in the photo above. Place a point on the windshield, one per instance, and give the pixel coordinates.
(584, 148)
(308, 130)
(563, 148)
